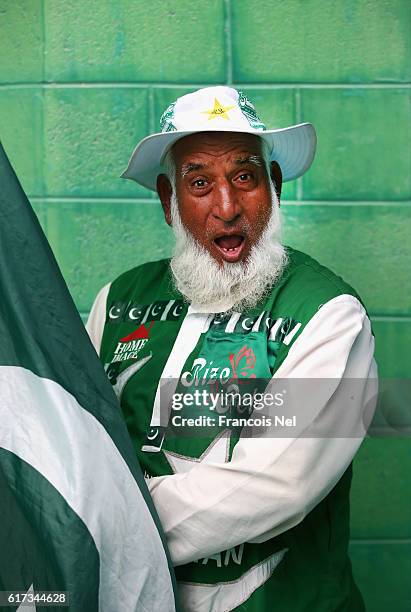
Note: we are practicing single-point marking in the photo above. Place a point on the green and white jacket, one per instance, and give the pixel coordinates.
(253, 523)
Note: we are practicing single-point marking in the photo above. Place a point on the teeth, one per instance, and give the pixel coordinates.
(228, 250)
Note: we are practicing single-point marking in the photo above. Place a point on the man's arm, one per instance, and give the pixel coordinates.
(97, 317)
(271, 484)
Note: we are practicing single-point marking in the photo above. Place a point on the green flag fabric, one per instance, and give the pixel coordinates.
(75, 513)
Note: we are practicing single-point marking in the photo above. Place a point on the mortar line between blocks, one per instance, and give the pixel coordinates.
(354, 203)
(228, 42)
(297, 98)
(151, 111)
(174, 85)
(43, 107)
(89, 200)
(43, 27)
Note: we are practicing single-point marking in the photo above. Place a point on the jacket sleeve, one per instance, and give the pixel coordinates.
(273, 482)
(97, 317)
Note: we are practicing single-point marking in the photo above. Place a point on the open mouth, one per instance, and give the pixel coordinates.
(230, 246)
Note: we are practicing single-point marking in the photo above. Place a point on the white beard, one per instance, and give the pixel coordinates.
(215, 287)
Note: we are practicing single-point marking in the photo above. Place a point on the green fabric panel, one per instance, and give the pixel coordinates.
(48, 557)
(129, 298)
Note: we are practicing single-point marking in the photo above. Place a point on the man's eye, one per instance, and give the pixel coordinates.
(245, 177)
(199, 183)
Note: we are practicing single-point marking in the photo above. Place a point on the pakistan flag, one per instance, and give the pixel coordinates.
(75, 514)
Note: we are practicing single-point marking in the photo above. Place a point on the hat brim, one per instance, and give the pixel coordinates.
(293, 148)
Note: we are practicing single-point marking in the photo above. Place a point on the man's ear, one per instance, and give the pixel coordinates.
(165, 191)
(277, 177)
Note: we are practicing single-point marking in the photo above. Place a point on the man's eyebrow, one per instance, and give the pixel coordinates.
(257, 160)
(190, 167)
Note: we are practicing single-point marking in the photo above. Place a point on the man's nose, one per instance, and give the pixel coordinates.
(226, 204)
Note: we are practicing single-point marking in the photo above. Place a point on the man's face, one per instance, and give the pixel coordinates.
(223, 192)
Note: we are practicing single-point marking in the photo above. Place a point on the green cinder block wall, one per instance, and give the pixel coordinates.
(82, 82)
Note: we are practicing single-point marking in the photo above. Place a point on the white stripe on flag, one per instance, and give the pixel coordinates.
(25, 607)
(45, 426)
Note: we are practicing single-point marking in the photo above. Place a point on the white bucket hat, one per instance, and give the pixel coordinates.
(219, 109)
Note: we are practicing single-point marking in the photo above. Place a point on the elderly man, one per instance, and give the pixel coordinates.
(254, 521)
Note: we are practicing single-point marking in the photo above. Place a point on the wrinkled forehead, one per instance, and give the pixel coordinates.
(216, 144)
